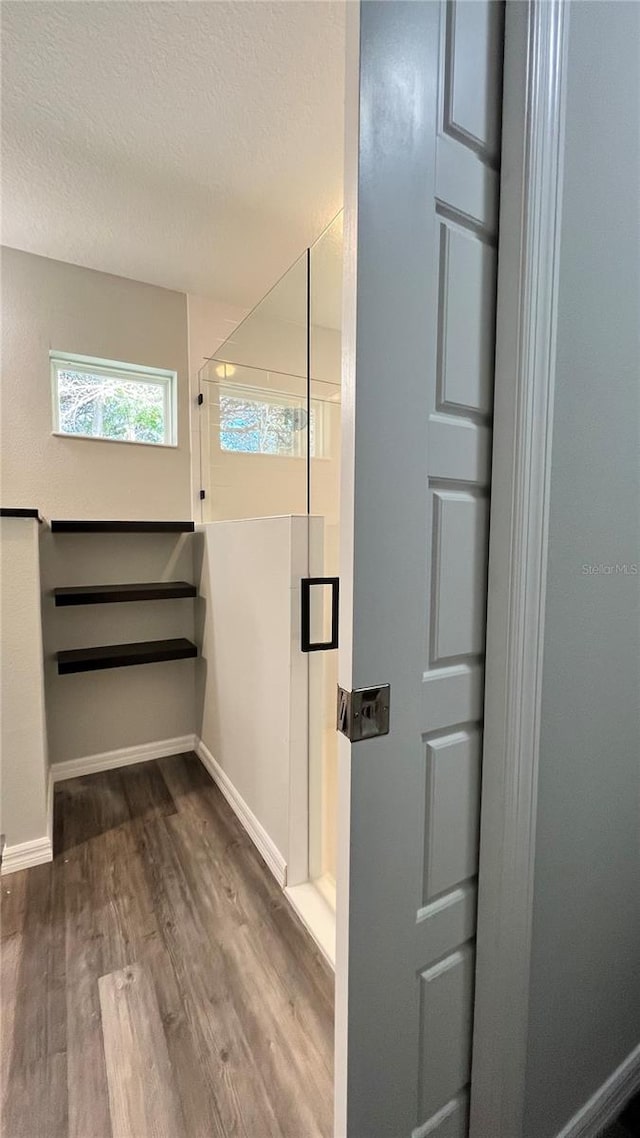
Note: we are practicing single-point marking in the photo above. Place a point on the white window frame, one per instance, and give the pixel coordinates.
(92, 365)
(278, 399)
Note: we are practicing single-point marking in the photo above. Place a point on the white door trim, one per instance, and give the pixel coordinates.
(347, 523)
(532, 147)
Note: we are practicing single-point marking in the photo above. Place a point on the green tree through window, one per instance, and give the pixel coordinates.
(251, 424)
(117, 402)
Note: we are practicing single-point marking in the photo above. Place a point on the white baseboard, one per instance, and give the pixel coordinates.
(124, 757)
(26, 854)
(607, 1102)
(259, 836)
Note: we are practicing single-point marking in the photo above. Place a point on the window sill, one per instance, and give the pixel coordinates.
(262, 454)
(117, 442)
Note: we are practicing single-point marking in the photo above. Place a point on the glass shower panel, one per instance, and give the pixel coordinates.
(256, 411)
(273, 337)
(325, 359)
(254, 443)
(270, 446)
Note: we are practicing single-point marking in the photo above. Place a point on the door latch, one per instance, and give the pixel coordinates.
(363, 713)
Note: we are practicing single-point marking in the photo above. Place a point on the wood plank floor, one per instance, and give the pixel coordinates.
(155, 983)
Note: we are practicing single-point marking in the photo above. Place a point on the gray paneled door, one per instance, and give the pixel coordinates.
(424, 83)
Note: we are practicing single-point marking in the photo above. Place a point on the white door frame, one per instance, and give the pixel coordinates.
(347, 523)
(532, 160)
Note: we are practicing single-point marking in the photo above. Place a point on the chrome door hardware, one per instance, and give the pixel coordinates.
(363, 713)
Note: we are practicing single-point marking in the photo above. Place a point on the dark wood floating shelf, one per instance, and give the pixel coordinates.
(124, 655)
(121, 527)
(19, 512)
(110, 594)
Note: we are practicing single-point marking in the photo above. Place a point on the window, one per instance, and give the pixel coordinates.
(269, 422)
(98, 399)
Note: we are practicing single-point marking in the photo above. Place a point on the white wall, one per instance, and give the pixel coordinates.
(23, 742)
(584, 1018)
(252, 677)
(51, 305)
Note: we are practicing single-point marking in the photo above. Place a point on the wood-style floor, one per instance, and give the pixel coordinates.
(155, 983)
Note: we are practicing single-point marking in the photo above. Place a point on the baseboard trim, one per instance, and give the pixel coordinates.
(124, 757)
(26, 854)
(607, 1102)
(261, 840)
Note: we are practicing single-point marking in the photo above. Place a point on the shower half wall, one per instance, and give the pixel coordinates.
(270, 448)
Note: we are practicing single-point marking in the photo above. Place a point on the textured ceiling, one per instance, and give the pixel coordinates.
(194, 145)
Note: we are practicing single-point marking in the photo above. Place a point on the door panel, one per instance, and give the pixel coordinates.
(459, 543)
(446, 992)
(424, 254)
(461, 388)
(453, 800)
(467, 291)
(473, 72)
